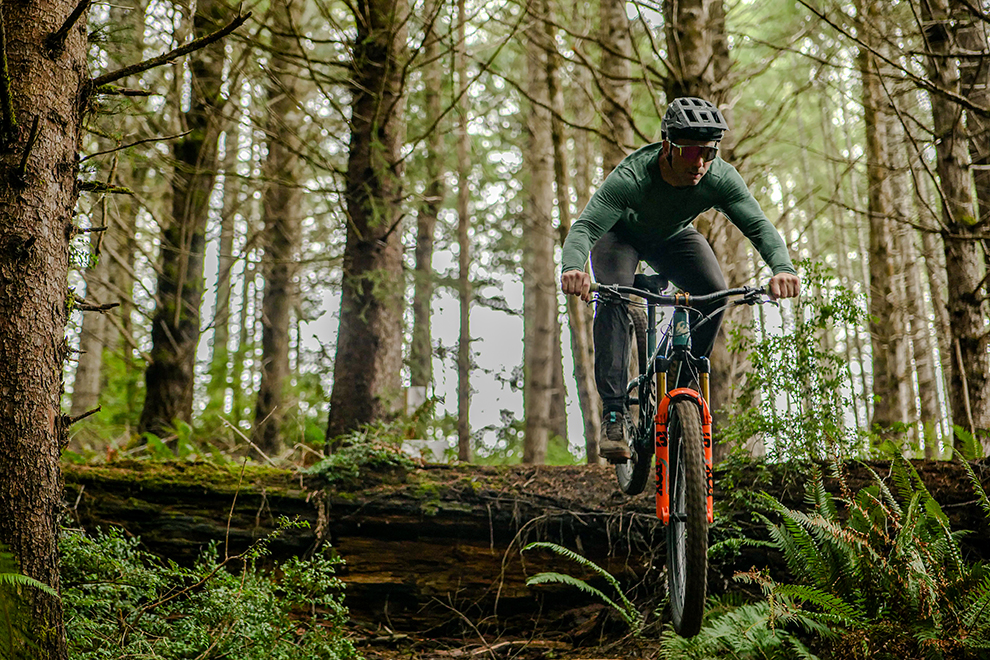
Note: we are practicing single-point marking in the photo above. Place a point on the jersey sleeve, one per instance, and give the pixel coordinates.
(604, 209)
(742, 209)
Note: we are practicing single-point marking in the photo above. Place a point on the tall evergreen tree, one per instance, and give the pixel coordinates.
(366, 379)
(43, 86)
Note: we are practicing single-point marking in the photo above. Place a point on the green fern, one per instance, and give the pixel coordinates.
(625, 607)
(13, 629)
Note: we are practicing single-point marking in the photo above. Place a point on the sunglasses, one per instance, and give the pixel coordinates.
(692, 152)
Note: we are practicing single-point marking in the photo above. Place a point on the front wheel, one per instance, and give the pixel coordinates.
(687, 532)
(633, 475)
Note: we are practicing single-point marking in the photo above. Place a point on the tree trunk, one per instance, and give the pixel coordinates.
(616, 45)
(220, 357)
(970, 385)
(974, 84)
(885, 395)
(901, 235)
(368, 366)
(539, 274)
(464, 289)
(42, 97)
(282, 209)
(170, 377)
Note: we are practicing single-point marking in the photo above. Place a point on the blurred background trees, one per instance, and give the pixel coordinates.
(345, 212)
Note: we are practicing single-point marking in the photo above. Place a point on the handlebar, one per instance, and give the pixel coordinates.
(749, 294)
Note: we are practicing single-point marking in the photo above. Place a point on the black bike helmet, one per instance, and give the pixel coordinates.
(691, 118)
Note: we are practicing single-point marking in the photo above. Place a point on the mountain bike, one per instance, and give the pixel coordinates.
(675, 425)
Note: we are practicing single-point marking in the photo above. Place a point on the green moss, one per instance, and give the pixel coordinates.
(182, 475)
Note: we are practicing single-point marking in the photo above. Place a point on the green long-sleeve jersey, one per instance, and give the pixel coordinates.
(646, 210)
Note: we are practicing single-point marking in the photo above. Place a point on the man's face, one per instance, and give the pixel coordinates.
(690, 160)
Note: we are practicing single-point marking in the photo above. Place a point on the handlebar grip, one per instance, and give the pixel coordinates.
(594, 287)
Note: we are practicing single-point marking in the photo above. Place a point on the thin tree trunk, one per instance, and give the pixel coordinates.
(579, 314)
(107, 281)
(368, 366)
(970, 385)
(421, 350)
(220, 358)
(170, 377)
(281, 207)
(901, 371)
(582, 344)
(464, 292)
(41, 105)
(539, 281)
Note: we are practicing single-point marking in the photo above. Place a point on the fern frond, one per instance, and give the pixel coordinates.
(981, 495)
(11, 580)
(842, 612)
(631, 617)
(627, 610)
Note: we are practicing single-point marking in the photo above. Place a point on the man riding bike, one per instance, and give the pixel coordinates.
(643, 212)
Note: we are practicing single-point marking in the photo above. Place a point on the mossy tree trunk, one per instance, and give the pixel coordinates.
(43, 95)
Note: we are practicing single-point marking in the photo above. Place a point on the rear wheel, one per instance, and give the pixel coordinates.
(687, 532)
(634, 474)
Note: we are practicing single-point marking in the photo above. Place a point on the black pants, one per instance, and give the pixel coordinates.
(686, 259)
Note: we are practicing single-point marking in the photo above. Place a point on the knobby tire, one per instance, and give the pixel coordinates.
(687, 533)
(634, 474)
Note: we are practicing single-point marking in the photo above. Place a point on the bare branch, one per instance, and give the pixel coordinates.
(134, 144)
(69, 421)
(56, 40)
(84, 306)
(173, 54)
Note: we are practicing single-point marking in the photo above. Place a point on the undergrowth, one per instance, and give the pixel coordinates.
(122, 602)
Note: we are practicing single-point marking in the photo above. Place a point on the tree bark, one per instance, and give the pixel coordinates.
(43, 99)
(175, 332)
(539, 274)
(970, 385)
(368, 364)
(282, 209)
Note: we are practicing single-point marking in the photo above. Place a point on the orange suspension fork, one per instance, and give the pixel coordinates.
(663, 450)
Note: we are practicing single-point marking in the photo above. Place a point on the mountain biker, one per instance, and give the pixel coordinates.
(643, 212)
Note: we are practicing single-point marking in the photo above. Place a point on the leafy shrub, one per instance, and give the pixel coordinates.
(796, 395)
(123, 602)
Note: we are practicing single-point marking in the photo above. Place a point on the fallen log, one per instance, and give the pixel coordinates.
(434, 546)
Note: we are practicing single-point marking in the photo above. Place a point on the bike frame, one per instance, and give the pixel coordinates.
(676, 349)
